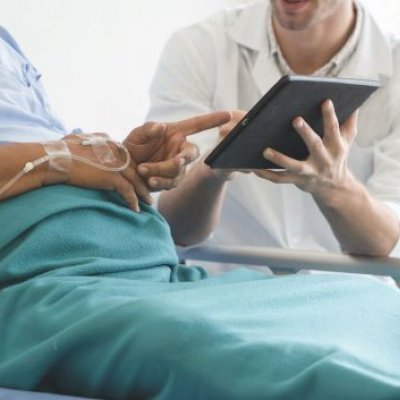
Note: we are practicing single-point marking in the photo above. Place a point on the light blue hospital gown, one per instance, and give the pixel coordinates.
(93, 301)
(25, 113)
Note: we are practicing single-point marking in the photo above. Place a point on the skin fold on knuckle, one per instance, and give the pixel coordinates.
(166, 183)
(301, 169)
(153, 170)
(316, 144)
(193, 153)
(270, 176)
(333, 126)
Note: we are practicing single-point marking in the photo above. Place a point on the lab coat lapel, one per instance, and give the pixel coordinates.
(250, 30)
(373, 59)
(373, 56)
(265, 72)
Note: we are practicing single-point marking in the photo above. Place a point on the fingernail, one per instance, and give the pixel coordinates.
(268, 153)
(143, 170)
(182, 162)
(298, 123)
(153, 182)
(150, 200)
(164, 127)
(329, 104)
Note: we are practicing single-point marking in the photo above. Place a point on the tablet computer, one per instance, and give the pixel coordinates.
(269, 122)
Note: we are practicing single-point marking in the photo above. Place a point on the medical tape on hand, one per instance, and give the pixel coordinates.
(100, 146)
(59, 155)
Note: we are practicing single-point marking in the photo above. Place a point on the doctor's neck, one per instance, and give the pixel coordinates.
(309, 38)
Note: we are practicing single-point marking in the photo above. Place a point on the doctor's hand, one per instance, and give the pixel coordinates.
(325, 170)
(161, 151)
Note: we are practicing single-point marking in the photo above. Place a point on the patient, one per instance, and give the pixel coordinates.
(94, 303)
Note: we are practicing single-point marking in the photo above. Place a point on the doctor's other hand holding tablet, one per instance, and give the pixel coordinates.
(324, 173)
(325, 170)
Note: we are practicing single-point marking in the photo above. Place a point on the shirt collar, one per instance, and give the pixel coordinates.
(249, 27)
(335, 64)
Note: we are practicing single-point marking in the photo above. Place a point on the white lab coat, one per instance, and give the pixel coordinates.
(225, 63)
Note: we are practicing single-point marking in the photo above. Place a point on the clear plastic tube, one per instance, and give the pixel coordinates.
(29, 166)
(60, 157)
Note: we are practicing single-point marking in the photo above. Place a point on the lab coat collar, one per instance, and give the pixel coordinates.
(373, 57)
(250, 30)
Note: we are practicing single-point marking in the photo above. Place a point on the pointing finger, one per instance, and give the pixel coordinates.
(201, 123)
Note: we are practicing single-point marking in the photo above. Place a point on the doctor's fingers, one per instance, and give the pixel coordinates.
(313, 142)
(279, 177)
(349, 127)
(200, 123)
(332, 135)
(288, 163)
(138, 185)
(338, 138)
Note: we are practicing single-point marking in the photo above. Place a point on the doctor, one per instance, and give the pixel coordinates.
(346, 195)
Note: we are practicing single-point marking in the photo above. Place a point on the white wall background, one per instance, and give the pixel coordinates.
(98, 56)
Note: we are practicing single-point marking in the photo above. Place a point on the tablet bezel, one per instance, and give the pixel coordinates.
(365, 88)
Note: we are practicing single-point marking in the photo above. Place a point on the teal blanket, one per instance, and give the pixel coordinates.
(94, 303)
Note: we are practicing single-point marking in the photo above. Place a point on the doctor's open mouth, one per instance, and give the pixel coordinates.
(294, 6)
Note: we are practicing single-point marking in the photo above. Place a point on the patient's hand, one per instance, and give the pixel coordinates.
(225, 174)
(161, 151)
(237, 116)
(127, 183)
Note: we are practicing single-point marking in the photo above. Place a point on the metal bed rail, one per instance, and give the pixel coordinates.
(293, 260)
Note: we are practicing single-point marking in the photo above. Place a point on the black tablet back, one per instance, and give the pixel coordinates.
(269, 122)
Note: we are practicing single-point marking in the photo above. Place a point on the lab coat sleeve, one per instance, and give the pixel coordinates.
(184, 83)
(384, 183)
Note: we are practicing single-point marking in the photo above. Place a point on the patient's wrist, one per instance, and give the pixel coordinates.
(56, 170)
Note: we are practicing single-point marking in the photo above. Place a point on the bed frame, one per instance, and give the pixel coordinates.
(283, 260)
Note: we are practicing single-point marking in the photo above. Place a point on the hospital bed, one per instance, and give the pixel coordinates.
(278, 260)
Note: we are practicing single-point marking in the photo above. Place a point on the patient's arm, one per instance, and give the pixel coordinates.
(161, 149)
(13, 158)
(159, 154)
